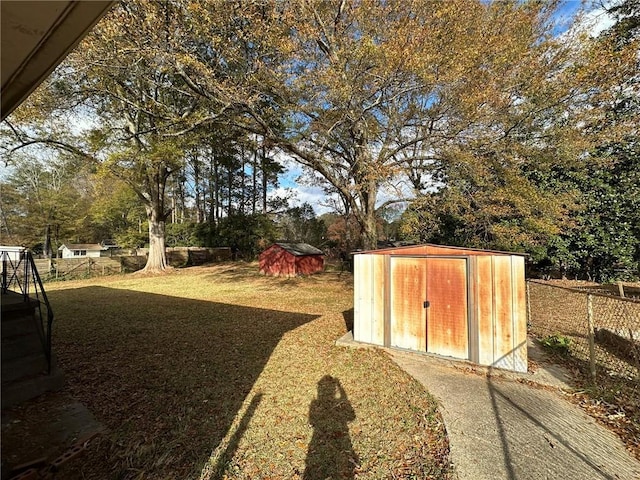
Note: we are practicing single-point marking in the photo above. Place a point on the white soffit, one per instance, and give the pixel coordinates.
(36, 37)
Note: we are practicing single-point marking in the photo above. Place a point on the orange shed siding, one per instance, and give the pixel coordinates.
(447, 315)
(503, 308)
(379, 288)
(519, 314)
(408, 317)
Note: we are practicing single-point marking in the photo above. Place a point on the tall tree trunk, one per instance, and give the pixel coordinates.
(265, 180)
(254, 182)
(157, 259)
(197, 192)
(368, 221)
(347, 226)
(181, 195)
(174, 206)
(157, 216)
(46, 249)
(370, 232)
(211, 195)
(242, 203)
(229, 191)
(216, 191)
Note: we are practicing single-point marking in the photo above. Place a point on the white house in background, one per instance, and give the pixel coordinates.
(80, 250)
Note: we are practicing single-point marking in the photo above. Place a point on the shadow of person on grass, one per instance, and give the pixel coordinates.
(330, 453)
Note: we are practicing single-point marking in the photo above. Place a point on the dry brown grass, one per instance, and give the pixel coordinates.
(214, 372)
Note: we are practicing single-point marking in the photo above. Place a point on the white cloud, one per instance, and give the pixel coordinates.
(593, 20)
(291, 182)
(299, 194)
(596, 21)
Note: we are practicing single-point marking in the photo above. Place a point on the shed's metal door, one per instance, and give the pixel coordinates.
(408, 317)
(428, 305)
(447, 314)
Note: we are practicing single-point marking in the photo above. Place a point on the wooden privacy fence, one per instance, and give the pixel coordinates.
(599, 330)
(184, 256)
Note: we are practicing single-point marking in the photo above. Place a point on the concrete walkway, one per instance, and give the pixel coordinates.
(499, 428)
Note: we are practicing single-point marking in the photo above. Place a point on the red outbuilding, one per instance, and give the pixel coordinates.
(291, 259)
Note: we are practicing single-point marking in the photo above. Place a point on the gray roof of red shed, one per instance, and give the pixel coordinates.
(300, 249)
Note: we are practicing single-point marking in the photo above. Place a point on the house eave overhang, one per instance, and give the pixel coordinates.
(36, 37)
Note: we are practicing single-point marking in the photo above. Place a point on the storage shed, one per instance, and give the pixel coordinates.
(291, 259)
(457, 302)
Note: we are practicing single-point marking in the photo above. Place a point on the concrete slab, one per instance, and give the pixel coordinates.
(504, 429)
(542, 371)
(44, 428)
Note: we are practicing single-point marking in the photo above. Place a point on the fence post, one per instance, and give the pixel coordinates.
(4, 272)
(621, 289)
(592, 348)
(528, 304)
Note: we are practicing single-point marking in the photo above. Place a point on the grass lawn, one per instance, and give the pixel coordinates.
(218, 372)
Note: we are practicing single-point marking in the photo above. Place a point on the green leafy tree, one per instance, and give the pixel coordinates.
(550, 182)
(136, 79)
(116, 211)
(44, 202)
(247, 235)
(604, 243)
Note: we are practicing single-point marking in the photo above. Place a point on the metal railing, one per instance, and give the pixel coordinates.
(20, 275)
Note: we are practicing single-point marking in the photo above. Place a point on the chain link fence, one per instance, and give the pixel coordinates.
(593, 326)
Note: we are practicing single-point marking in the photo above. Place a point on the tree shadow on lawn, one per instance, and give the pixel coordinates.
(166, 375)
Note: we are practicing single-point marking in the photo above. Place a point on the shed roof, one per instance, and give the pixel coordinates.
(82, 246)
(300, 249)
(409, 248)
